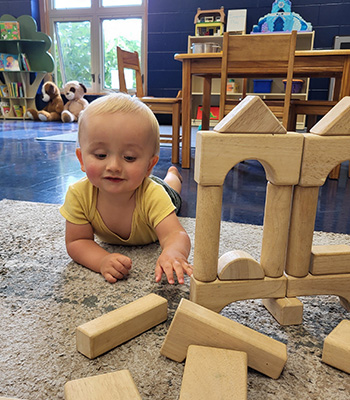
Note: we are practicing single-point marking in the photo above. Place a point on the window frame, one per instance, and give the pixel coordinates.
(96, 14)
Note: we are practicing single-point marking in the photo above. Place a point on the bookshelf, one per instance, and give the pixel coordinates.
(19, 87)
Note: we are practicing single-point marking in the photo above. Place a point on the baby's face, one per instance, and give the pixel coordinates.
(117, 151)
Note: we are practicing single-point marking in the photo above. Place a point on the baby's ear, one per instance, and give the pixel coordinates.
(152, 163)
(80, 158)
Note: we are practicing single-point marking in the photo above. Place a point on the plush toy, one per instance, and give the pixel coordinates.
(52, 111)
(74, 92)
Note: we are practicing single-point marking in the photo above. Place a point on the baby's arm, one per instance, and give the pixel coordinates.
(84, 250)
(176, 248)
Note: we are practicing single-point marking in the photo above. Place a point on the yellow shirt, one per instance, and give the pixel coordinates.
(153, 204)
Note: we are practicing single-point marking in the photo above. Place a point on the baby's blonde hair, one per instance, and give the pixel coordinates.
(120, 103)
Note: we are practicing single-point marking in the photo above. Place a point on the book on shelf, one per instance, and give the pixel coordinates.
(9, 30)
(24, 62)
(18, 110)
(4, 91)
(9, 62)
(5, 107)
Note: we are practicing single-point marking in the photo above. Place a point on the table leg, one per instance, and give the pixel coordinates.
(206, 103)
(186, 114)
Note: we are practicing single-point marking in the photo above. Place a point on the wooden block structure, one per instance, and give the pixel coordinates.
(214, 374)
(196, 325)
(336, 347)
(296, 165)
(116, 327)
(117, 385)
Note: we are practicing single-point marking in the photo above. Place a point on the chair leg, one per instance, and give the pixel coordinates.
(175, 142)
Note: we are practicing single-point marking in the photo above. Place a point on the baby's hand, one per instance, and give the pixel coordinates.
(170, 262)
(115, 266)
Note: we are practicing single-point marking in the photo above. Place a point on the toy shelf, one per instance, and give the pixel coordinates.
(19, 88)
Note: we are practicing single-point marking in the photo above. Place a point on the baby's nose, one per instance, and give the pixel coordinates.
(114, 164)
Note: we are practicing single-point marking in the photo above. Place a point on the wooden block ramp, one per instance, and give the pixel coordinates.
(117, 385)
(336, 347)
(214, 374)
(110, 330)
(196, 325)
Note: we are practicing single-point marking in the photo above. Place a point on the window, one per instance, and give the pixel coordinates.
(85, 36)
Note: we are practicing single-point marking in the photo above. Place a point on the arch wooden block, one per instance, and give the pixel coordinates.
(311, 285)
(117, 385)
(336, 347)
(330, 259)
(321, 154)
(336, 121)
(216, 154)
(251, 115)
(265, 354)
(110, 330)
(238, 265)
(217, 294)
(214, 374)
(286, 311)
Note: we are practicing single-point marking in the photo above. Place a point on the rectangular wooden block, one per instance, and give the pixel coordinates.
(336, 347)
(110, 330)
(194, 324)
(117, 385)
(330, 259)
(287, 311)
(214, 374)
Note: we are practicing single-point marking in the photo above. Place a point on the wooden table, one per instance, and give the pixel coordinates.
(308, 63)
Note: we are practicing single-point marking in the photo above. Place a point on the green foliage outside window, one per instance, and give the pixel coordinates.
(75, 47)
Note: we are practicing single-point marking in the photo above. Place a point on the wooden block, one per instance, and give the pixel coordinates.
(312, 285)
(217, 294)
(117, 385)
(8, 398)
(336, 121)
(207, 236)
(194, 324)
(214, 374)
(216, 154)
(110, 330)
(276, 229)
(321, 154)
(301, 230)
(286, 311)
(251, 115)
(336, 347)
(330, 259)
(238, 265)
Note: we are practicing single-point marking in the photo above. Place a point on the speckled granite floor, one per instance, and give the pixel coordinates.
(44, 296)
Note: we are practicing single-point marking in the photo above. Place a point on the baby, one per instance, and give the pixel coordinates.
(119, 200)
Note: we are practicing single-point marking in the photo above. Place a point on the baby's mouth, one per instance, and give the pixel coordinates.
(113, 179)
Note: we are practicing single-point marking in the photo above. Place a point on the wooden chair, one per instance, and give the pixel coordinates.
(130, 60)
(251, 55)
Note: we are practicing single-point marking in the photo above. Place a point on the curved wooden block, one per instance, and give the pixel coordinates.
(238, 264)
(218, 294)
(311, 285)
(216, 154)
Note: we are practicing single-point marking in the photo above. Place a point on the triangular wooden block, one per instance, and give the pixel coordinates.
(336, 122)
(251, 115)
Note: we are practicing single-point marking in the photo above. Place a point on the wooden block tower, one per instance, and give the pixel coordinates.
(296, 165)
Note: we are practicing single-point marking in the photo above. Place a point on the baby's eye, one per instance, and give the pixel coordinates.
(129, 158)
(100, 156)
